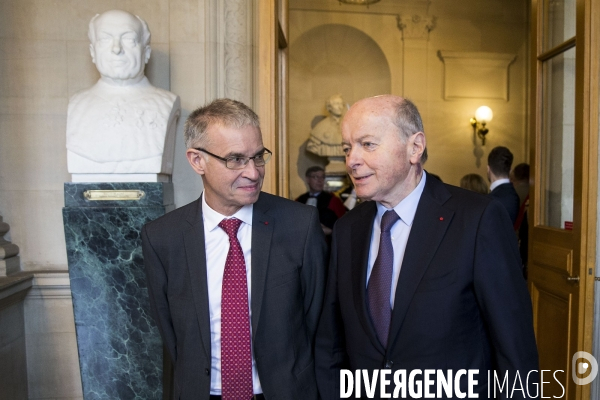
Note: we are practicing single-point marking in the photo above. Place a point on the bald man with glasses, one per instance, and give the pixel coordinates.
(236, 278)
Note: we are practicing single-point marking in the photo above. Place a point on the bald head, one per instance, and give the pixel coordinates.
(384, 148)
(384, 109)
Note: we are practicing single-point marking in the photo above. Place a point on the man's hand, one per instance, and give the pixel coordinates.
(327, 231)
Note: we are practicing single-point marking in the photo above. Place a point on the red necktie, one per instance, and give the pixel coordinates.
(236, 353)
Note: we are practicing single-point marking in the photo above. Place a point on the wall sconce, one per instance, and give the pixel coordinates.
(483, 115)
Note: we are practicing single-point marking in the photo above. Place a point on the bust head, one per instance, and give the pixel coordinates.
(120, 46)
(335, 105)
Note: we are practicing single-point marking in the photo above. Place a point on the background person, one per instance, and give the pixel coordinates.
(519, 177)
(499, 162)
(329, 205)
(475, 183)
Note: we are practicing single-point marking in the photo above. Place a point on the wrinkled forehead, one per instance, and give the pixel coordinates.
(371, 112)
(118, 22)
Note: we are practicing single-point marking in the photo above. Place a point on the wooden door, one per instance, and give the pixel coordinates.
(564, 130)
(271, 89)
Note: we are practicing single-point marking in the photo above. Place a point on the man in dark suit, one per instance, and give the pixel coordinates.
(424, 275)
(236, 278)
(329, 205)
(499, 162)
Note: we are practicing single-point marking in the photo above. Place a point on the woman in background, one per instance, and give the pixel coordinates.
(474, 182)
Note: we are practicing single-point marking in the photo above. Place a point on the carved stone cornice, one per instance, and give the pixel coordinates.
(415, 26)
(237, 50)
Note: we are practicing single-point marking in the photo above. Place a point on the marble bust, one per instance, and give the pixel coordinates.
(326, 137)
(122, 128)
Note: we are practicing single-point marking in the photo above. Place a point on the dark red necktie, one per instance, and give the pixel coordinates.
(236, 353)
(380, 281)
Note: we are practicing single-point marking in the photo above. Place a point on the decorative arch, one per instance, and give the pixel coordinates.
(328, 59)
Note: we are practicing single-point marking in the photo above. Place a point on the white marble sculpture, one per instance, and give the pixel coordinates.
(326, 137)
(122, 128)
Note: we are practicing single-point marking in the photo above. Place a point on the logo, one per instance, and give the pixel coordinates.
(579, 368)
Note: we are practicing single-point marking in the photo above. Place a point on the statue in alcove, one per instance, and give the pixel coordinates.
(326, 136)
(123, 124)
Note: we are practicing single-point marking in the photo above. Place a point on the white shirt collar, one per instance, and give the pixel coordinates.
(407, 208)
(212, 218)
(499, 182)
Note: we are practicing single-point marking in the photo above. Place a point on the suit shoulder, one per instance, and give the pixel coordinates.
(174, 220)
(468, 196)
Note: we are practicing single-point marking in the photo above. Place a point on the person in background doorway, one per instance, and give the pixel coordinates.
(499, 162)
(475, 183)
(519, 177)
(329, 205)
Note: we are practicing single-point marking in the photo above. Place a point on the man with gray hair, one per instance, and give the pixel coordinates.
(121, 125)
(236, 278)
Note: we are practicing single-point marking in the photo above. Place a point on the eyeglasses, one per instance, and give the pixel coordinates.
(237, 162)
(318, 177)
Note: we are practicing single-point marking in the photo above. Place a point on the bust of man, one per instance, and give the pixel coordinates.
(122, 128)
(326, 137)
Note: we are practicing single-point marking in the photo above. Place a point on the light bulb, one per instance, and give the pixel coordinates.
(484, 114)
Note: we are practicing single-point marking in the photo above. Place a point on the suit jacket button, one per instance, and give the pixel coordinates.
(207, 371)
(389, 364)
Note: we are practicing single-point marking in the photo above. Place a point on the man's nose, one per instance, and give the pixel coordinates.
(116, 46)
(353, 158)
(251, 171)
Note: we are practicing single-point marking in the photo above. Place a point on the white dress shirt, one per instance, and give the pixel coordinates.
(498, 182)
(406, 210)
(216, 244)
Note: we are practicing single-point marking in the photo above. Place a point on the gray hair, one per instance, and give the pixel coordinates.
(145, 31)
(408, 120)
(226, 112)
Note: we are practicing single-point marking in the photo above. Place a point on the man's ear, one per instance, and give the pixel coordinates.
(93, 53)
(196, 160)
(417, 144)
(147, 51)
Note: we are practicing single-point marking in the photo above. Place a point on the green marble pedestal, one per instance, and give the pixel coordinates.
(120, 349)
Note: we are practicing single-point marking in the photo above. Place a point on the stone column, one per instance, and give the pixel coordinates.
(415, 35)
(230, 61)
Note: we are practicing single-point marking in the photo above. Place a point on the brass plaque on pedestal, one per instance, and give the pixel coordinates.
(114, 195)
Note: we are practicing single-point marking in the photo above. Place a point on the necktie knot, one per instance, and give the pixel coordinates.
(230, 226)
(388, 220)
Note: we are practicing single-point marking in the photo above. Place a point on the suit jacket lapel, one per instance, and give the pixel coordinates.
(361, 242)
(428, 229)
(195, 253)
(262, 232)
